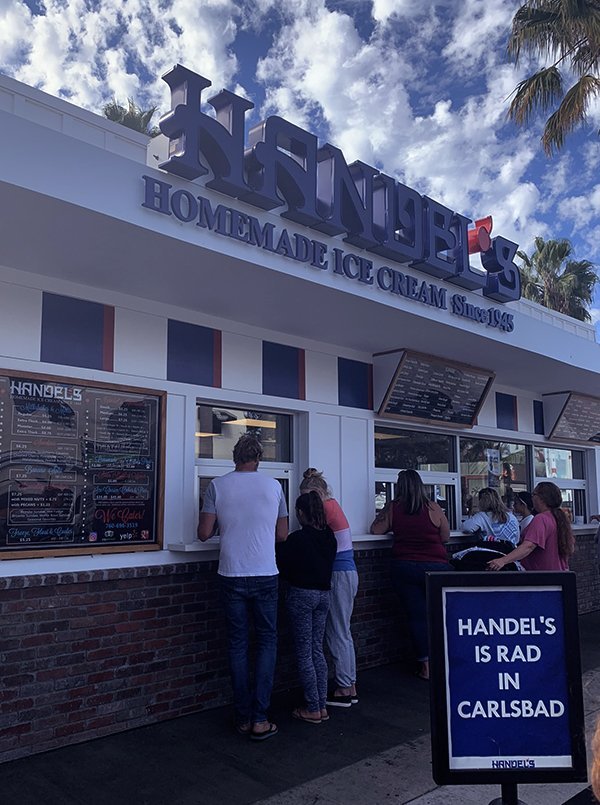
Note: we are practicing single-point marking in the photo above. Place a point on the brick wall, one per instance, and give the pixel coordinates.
(87, 654)
(92, 653)
(585, 564)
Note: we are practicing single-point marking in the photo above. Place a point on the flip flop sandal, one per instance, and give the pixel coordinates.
(243, 729)
(297, 714)
(262, 736)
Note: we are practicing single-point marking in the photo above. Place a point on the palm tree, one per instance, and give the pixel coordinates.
(132, 116)
(566, 32)
(549, 277)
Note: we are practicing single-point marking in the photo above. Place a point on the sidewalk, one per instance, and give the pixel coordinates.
(376, 752)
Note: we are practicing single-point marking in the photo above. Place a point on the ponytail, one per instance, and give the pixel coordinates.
(551, 495)
(311, 507)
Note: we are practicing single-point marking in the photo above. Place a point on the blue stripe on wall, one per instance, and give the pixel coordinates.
(506, 411)
(281, 371)
(72, 331)
(190, 353)
(538, 416)
(355, 383)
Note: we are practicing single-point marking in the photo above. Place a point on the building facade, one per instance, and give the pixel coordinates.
(160, 298)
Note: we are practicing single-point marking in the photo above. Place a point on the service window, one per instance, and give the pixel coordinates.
(218, 428)
(566, 469)
(431, 454)
(499, 465)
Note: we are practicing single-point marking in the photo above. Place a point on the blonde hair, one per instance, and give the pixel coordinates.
(313, 481)
(595, 770)
(491, 502)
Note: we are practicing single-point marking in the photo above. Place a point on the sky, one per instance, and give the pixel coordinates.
(417, 88)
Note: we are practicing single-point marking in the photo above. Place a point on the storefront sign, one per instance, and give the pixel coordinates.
(79, 466)
(284, 166)
(196, 210)
(506, 689)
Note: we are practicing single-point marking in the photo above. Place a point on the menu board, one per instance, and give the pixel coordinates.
(431, 389)
(80, 465)
(579, 419)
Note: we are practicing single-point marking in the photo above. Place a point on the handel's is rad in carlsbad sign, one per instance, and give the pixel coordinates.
(283, 166)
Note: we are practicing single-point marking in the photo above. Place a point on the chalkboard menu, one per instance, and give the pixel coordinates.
(80, 466)
(431, 389)
(579, 419)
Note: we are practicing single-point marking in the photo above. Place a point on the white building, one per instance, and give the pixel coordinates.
(95, 287)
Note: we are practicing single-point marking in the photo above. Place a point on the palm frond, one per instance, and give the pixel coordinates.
(535, 30)
(549, 277)
(571, 112)
(538, 92)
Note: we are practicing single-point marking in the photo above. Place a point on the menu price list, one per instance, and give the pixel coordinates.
(78, 464)
(580, 420)
(427, 388)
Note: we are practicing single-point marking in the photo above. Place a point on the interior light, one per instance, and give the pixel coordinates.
(254, 423)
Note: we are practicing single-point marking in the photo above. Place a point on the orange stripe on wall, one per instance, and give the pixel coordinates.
(301, 374)
(108, 341)
(217, 358)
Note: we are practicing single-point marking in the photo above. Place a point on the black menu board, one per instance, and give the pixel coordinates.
(579, 419)
(431, 389)
(80, 466)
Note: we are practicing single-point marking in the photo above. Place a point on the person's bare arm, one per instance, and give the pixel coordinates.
(520, 552)
(381, 524)
(207, 525)
(439, 520)
(281, 529)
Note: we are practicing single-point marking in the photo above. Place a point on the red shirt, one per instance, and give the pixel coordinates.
(416, 538)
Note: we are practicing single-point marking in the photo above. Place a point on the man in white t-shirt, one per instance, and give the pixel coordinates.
(251, 513)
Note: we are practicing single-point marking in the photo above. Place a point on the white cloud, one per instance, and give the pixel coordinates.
(92, 53)
(418, 89)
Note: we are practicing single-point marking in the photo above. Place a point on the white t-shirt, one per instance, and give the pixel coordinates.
(247, 506)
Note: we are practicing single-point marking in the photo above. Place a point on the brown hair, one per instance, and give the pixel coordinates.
(247, 449)
(313, 481)
(410, 492)
(490, 501)
(595, 770)
(551, 495)
(310, 506)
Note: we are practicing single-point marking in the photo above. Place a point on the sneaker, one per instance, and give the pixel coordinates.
(339, 701)
(354, 699)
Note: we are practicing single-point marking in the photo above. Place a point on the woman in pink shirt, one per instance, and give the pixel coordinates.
(344, 586)
(548, 540)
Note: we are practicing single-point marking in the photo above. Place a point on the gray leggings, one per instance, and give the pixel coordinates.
(307, 611)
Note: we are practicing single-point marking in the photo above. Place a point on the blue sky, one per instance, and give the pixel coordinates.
(418, 88)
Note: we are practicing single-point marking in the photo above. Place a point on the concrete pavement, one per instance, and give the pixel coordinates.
(375, 752)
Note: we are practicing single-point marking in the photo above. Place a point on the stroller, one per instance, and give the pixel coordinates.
(476, 557)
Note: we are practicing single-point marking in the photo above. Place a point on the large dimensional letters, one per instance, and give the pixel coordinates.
(284, 167)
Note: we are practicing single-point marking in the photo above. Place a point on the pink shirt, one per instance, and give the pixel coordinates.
(543, 533)
(337, 522)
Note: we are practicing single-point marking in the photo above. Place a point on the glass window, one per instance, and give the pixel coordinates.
(554, 463)
(440, 493)
(499, 465)
(218, 428)
(411, 450)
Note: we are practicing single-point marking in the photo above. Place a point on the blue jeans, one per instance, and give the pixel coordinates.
(307, 610)
(243, 595)
(408, 580)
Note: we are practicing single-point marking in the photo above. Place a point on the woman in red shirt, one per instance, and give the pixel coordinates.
(547, 542)
(420, 529)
